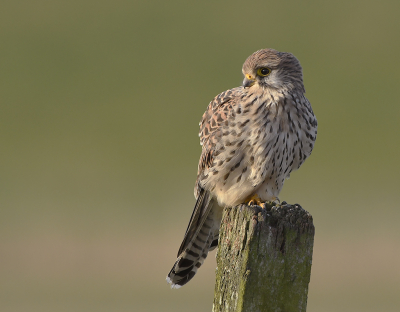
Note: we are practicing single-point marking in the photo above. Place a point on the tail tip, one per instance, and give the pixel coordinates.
(169, 281)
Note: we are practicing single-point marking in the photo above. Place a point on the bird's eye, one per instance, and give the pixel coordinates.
(263, 71)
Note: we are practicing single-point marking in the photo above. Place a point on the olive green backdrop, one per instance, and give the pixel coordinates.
(100, 104)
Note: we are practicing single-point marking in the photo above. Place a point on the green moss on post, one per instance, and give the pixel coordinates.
(264, 259)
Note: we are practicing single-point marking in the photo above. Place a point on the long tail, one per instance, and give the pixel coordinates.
(201, 237)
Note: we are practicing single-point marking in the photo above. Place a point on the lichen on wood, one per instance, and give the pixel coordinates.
(264, 259)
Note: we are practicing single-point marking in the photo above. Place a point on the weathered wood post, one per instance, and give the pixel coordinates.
(264, 259)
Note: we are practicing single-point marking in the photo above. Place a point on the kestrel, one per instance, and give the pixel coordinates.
(252, 138)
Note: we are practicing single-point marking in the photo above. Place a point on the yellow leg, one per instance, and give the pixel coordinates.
(253, 200)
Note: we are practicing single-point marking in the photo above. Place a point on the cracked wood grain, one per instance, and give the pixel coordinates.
(264, 259)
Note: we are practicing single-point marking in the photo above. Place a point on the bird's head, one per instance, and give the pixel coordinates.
(269, 68)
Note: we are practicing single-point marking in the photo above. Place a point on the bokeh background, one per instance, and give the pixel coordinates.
(100, 104)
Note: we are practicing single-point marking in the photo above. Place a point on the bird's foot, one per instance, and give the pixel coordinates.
(269, 204)
(276, 201)
(253, 200)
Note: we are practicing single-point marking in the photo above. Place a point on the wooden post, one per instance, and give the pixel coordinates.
(264, 259)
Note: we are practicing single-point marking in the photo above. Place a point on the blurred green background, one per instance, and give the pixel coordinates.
(100, 104)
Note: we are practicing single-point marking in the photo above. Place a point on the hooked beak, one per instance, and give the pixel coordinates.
(248, 81)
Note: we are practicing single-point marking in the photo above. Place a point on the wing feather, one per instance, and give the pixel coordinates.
(211, 125)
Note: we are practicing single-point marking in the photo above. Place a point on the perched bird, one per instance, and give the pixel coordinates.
(252, 138)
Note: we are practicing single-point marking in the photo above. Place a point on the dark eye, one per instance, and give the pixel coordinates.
(263, 71)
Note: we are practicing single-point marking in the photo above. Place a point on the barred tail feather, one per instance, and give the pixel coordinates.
(195, 248)
(186, 266)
